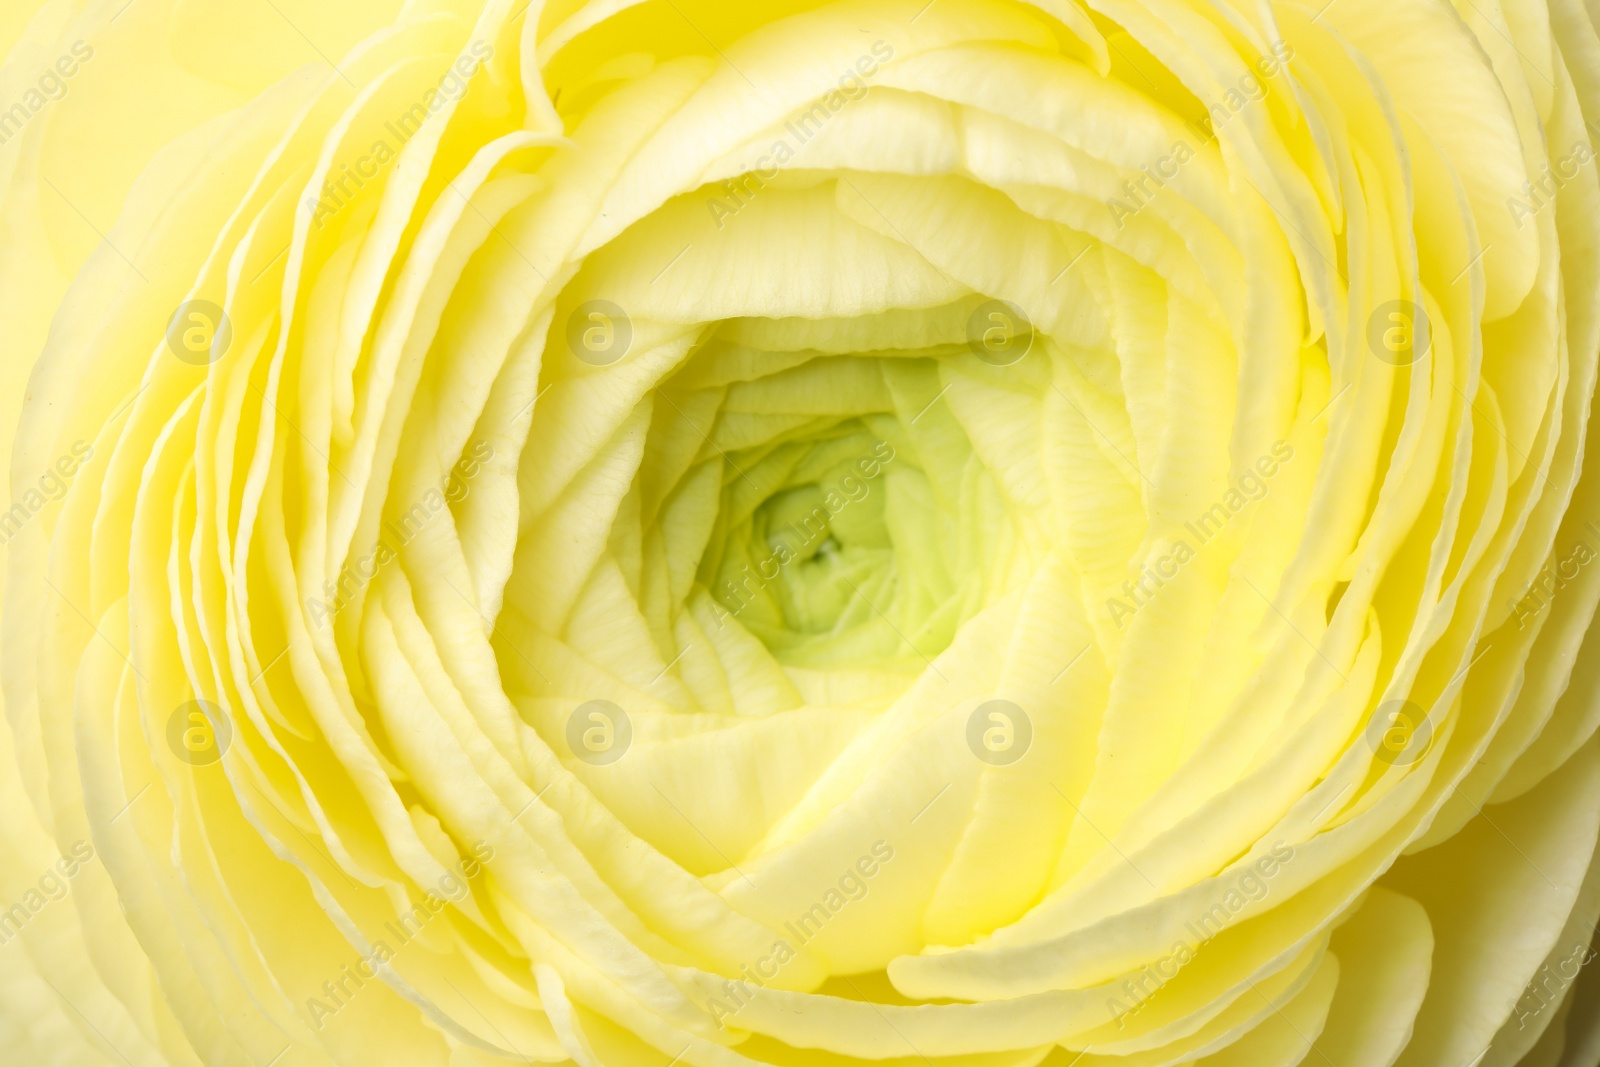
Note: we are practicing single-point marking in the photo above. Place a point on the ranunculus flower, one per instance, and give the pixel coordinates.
(898, 531)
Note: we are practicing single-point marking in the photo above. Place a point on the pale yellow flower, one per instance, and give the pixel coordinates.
(896, 531)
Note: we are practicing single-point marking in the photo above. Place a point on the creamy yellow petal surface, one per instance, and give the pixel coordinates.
(649, 532)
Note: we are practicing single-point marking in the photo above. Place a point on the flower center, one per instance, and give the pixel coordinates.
(860, 541)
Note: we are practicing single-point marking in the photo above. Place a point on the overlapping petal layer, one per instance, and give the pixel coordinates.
(965, 532)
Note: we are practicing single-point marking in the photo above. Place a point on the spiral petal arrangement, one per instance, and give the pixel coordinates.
(962, 532)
